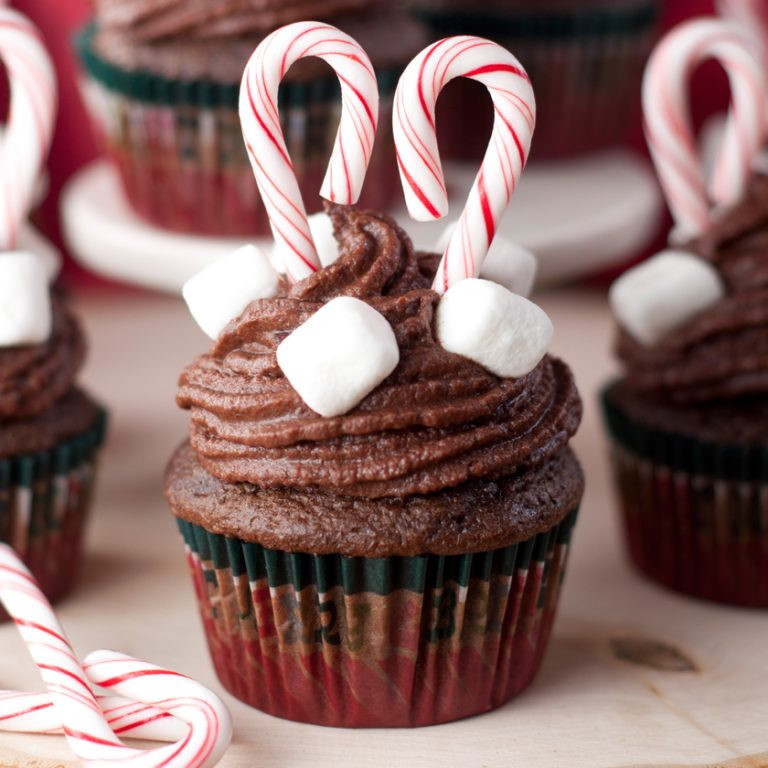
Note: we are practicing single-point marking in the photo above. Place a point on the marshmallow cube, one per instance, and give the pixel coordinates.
(503, 332)
(506, 263)
(221, 291)
(343, 352)
(663, 293)
(25, 301)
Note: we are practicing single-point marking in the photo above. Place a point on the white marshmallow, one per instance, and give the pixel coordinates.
(25, 301)
(506, 263)
(503, 332)
(221, 291)
(339, 355)
(663, 293)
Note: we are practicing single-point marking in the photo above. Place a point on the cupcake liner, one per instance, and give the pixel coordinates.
(585, 64)
(44, 503)
(695, 513)
(179, 147)
(376, 642)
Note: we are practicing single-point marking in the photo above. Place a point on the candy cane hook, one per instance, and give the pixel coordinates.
(90, 737)
(418, 156)
(264, 137)
(668, 125)
(27, 137)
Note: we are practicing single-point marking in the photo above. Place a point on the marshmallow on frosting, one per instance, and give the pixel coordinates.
(663, 293)
(25, 303)
(506, 263)
(221, 291)
(343, 352)
(503, 332)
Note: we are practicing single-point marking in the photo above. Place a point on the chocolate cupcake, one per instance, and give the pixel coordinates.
(162, 83)
(585, 59)
(689, 423)
(50, 433)
(397, 564)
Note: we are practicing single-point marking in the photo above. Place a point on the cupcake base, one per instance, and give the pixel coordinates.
(44, 504)
(369, 642)
(695, 512)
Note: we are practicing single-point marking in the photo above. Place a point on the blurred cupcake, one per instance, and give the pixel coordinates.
(50, 433)
(398, 563)
(688, 417)
(585, 59)
(162, 82)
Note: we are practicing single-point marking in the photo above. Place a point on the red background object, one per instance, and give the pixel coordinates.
(74, 144)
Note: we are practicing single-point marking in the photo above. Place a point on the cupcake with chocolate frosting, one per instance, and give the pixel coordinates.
(395, 564)
(162, 82)
(50, 433)
(687, 418)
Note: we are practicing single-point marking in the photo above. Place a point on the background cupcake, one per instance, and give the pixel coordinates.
(585, 59)
(395, 565)
(687, 418)
(162, 81)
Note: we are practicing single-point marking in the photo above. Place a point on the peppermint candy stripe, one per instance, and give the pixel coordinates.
(27, 136)
(418, 156)
(207, 725)
(668, 127)
(264, 140)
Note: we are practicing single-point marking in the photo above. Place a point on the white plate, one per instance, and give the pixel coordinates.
(577, 216)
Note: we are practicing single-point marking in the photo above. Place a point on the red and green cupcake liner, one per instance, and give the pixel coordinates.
(45, 498)
(695, 512)
(178, 144)
(585, 63)
(376, 642)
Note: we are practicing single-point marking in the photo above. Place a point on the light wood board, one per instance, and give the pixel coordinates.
(706, 706)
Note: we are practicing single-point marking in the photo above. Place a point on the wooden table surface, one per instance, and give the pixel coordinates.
(694, 693)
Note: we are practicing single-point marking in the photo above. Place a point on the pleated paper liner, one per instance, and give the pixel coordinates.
(45, 499)
(179, 147)
(367, 642)
(695, 513)
(585, 63)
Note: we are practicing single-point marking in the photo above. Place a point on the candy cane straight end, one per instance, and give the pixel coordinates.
(264, 138)
(418, 156)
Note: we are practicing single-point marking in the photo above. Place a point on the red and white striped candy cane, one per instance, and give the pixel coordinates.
(419, 159)
(27, 136)
(208, 725)
(264, 137)
(752, 16)
(668, 125)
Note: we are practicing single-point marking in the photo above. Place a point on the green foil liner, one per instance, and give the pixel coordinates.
(585, 63)
(45, 499)
(376, 642)
(695, 512)
(179, 146)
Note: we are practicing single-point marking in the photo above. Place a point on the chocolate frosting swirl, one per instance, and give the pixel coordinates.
(721, 354)
(33, 378)
(437, 421)
(155, 20)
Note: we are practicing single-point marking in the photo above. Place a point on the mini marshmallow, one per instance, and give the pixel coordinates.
(339, 355)
(503, 332)
(663, 293)
(25, 301)
(506, 263)
(221, 291)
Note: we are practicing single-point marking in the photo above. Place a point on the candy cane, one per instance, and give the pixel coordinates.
(752, 16)
(90, 737)
(264, 137)
(668, 125)
(419, 159)
(35, 713)
(27, 135)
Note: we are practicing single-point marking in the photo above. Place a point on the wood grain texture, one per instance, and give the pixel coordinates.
(588, 708)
